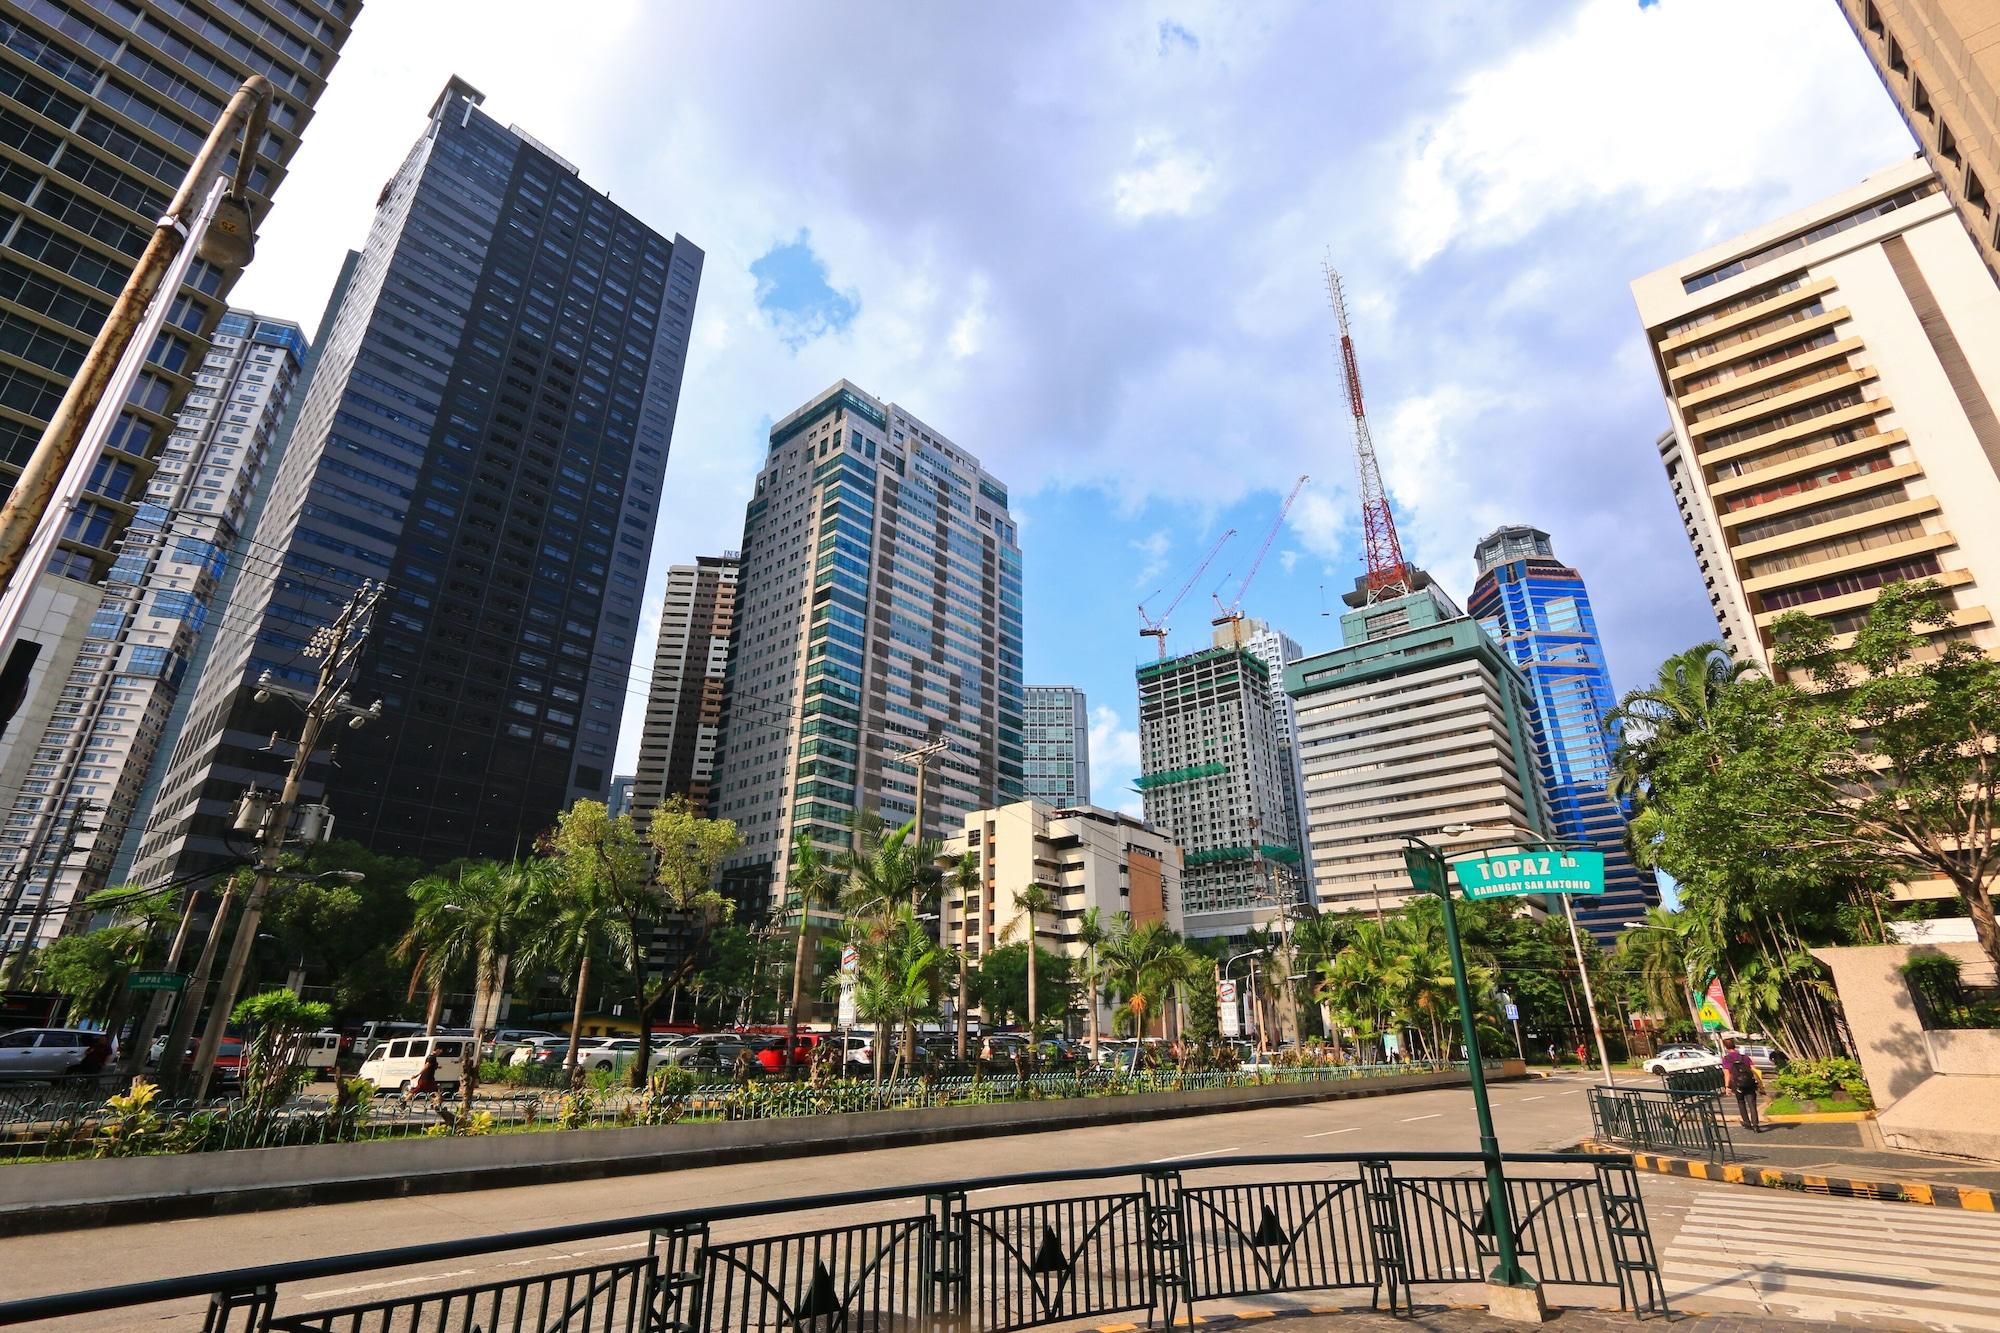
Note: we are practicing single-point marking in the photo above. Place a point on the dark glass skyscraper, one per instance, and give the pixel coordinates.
(1538, 609)
(486, 431)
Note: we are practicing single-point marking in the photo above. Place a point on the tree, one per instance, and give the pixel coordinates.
(274, 1059)
(434, 942)
(1001, 984)
(900, 982)
(1134, 964)
(688, 849)
(814, 883)
(1653, 953)
(1031, 903)
(965, 882)
(1904, 735)
(89, 968)
(346, 931)
(578, 925)
(1091, 934)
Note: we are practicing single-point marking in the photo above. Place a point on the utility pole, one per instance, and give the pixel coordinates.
(17, 966)
(337, 646)
(921, 756)
(209, 217)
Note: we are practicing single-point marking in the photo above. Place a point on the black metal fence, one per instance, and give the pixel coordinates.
(1117, 1240)
(1684, 1123)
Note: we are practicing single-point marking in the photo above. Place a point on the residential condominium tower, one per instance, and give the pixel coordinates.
(878, 608)
(485, 432)
(103, 106)
(684, 701)
(1831, 378)
(1278, 650)
(1538, 610)
(1419, 722)
(159, 598)
(1216, 781)
(1940, 61)
(1058, 745)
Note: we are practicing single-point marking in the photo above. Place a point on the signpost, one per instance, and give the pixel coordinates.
(1510, 873)
(157, 981)
(1228, 1012)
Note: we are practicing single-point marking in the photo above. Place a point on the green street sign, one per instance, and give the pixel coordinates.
(1504, 874)
(1425, 873)
(157, 981)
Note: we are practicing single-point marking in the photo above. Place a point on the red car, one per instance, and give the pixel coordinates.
(228, 1062)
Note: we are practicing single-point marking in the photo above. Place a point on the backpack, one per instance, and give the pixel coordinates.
(1742, 1075)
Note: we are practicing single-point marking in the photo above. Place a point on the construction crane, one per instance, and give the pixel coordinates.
(1232, 612)
(1388, 575)
(1155, 627)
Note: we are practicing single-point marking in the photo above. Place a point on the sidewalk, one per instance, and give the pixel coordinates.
(1361, 1319)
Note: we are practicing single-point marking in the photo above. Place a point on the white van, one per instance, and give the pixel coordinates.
(394, 1065)
(323, 1051)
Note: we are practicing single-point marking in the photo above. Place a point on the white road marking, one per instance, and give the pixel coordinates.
(1413, 1118)
(1206, 1152)
(1323, 1133)
(1540, 1096)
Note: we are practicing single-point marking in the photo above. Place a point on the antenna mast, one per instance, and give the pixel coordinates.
(1388, 575)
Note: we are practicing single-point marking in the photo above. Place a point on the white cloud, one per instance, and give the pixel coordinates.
(1154, 546)
(1167, 181)
(1288, 560)
(1650, 105)
(1114, 761)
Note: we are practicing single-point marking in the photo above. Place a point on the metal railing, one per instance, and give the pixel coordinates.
(1685, 1123)
(91, 1126)
(926, 1258)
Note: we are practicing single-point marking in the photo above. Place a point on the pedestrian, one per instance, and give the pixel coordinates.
(1582, 1054)
(1743, 1080)
(426, 1082)
(1553, 1062)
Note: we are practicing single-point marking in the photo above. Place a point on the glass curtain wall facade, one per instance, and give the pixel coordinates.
(1538, 610)
(1058, 745)
(878, 606)
(485, 431)
(103, 105)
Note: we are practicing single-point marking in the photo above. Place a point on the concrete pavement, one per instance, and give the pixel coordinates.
(1761, 1268)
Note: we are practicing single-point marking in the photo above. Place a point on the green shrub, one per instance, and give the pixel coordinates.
(134, 1127)
(1823, 1080)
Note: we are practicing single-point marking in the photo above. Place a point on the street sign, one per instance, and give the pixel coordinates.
(1425, 873)
(157, 981)
(1513, 1013)
(1504, 874)
(1714, 1007)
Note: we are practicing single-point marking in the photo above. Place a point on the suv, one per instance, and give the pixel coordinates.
(46, 1053)
(1681, 1059)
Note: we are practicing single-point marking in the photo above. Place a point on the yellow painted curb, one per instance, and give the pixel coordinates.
(1819, 1118)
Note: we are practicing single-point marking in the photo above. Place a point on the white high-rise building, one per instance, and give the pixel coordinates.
(684, 701)
(1058, 745)
(878, 607)
(1832, 379)
(97, 746)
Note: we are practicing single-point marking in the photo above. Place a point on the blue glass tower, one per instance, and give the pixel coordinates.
(1538, 609)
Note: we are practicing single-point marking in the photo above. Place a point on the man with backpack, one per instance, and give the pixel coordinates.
(1743, 1079)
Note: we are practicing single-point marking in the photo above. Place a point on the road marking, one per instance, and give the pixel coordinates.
(1207, 1152)
(1324, 1132)
(1540, 1096)
(1413, 1118)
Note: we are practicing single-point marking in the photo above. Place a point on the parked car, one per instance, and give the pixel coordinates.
(1767, 1058)
(228, 1062)
(1679, 1059)
(45, 1053)
(503, 1044)
(532, 1050)
(709, 1050)
(375, 1032)
(395, 1064)
(323, 1051)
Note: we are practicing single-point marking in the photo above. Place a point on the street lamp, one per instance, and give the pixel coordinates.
(1575, 940)
(1420, 855)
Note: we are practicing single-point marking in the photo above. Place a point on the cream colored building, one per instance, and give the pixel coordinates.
(1085, 856)
(1940, 61)
(1832, 378)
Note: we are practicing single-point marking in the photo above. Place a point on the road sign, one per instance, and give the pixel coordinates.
(1503, 874)
(1425, 873)
(1513, 1013)
(1714, 1007)
(157, 981)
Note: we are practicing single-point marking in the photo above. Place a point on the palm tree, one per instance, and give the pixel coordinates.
(965, 882)
(1683, 699)
(1653, 949)
(1133, 965)
(433, 944)
(816, 886)
(1032, 902)
(899, 983)
(1090, 933)
(578, 924)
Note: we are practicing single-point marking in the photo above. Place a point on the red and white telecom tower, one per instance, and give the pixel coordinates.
(1388, 575)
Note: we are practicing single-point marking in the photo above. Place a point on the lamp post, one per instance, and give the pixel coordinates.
(1427, 873)
(1575, 940)
(211, 215)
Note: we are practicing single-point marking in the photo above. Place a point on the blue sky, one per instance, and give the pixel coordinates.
(1085, 241)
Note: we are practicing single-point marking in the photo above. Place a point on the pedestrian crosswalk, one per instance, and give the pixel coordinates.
(1850, 1261)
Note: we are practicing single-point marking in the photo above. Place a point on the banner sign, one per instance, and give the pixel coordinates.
(1228, 1012)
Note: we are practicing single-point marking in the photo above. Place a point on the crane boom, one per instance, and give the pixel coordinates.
(1234, 610)
(1155, 627)
(1388, 575)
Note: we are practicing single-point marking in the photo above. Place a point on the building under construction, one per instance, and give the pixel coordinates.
(1216, 780)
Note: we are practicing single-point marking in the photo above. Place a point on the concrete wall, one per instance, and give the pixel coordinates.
(46, 1196)
(1963, 1051)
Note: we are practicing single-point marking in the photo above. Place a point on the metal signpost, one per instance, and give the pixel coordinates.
(1427, 873)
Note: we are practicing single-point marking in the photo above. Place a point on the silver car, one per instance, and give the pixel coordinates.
(44, 1053)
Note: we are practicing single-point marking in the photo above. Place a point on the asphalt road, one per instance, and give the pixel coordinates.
(1763, 1265)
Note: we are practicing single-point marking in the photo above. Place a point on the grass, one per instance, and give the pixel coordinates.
(1823, 1105)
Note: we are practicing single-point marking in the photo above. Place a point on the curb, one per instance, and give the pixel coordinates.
(1969, 1198)
(1819, 1117)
